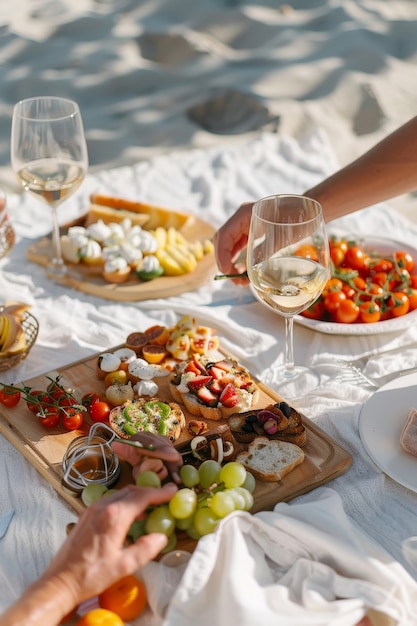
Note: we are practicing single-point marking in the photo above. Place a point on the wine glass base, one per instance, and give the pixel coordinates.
(56, 269)
(299, 383)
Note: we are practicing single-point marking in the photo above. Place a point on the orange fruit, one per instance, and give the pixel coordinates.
(100, 617)
(157, 334)
(153, 353)
(127, 598)
(135, 341)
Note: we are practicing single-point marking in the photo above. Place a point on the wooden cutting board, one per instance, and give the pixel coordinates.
(88, 280)
(44, 449)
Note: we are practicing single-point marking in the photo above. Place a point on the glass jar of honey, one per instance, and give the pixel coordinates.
(91, 459)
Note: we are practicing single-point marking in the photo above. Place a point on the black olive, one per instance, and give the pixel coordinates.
(285, 408)
(250, 419)
(247, 427)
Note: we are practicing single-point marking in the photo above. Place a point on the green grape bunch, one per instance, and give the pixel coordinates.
(206, 495)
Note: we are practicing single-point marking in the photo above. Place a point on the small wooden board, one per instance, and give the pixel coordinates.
(44, 449)
(88, 280)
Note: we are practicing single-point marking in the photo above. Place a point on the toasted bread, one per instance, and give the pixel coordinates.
(270, 460)
(246, 426)
(213, 389)
(150, 415)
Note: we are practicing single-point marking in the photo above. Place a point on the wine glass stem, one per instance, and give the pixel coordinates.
(289, 349)
(57, 265)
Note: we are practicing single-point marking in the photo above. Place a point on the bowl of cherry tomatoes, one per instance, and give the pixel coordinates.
(372, 287)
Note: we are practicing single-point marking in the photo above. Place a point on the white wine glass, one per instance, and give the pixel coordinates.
(288, 265)
(49, 157)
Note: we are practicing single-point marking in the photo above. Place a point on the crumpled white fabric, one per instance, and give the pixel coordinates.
(303, 563)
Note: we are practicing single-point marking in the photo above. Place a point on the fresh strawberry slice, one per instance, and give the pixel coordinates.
(229, 397)
(247, 384)
(198, 364)
(192, 367)
(216, 372)
(224, 365)
(216, 386)
(206, 396)
(198, 381)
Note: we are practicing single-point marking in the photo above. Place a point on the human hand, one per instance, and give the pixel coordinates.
(164, 459)
(230, 241)
(94, 555)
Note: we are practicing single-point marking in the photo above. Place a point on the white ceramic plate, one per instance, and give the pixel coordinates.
(384, 246)
(380, 424)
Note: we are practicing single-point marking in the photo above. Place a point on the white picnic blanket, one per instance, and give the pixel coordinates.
(73, 325)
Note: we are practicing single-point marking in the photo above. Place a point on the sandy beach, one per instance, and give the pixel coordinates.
(152, 77)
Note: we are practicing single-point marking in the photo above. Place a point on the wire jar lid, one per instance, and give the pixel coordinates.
(91, 459)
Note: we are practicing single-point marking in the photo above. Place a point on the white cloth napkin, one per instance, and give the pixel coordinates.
(303, 563)
(5, 521)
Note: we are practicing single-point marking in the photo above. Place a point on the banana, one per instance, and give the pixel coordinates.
(4, 331)
(13, 329)
(169, 264)
(183, 257)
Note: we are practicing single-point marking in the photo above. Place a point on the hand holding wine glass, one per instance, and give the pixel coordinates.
(288, 264)
(49, 156)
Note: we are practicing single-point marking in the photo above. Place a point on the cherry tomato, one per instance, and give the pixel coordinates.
(348, 291)
(99, 411)
(67, 400)
(9, 397)
(72, 418)
(412, 298)
(347, 312)
(308, 252)
(399, 304)
(399, 279)
(315, 311)
(333, 284)
(380, 278)
(404, 260)
(369, 312)
(337, 255)
(333, 300)
(37, 399)
(413, 281)
(89, 399)
(356, 258)
(49, 418)
(359, 283)
(381, 265)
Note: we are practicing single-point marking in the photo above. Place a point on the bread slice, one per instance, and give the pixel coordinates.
(408, 438)
(269, 459)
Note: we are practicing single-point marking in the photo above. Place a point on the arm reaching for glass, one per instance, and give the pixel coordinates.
(386, 171)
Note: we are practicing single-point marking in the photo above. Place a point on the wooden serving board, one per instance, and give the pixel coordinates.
(44, 449)
(88, 280)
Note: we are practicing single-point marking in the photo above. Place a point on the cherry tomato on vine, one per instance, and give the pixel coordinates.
(308, 252)
(347, 312)
(381, 265)
(99, 411)
(413, 281)
(72, 418)
(333, 284)
(356, 258)
(66, 401)
(333, 300)
(315, 311)
(380, 278)
(37, 400)
(398, 303)
(49, 418)
(369, 312)
(412, 298)
(9, 397)
(89, 399)
(405, 260)
(337, 255)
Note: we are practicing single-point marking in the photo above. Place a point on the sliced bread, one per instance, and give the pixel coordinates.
(270, 459)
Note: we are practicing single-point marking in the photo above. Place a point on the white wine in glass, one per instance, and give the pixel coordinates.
(288, 265)
(49, 156)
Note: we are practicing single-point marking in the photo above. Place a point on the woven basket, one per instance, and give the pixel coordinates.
(30, 326)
